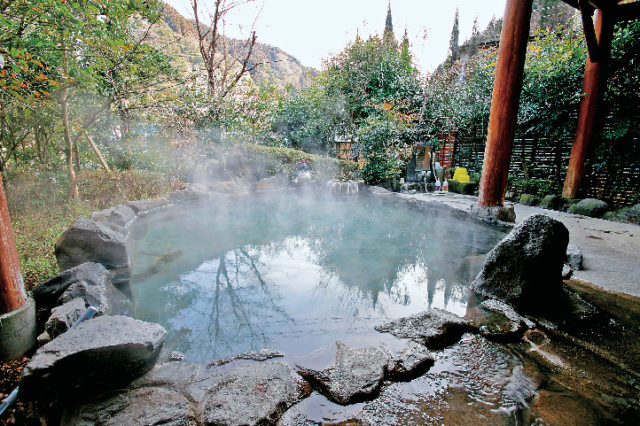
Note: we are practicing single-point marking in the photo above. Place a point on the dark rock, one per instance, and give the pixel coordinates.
(465, 188)
(356, 375)
(188, 195)
(89, 241)
(633, 214)
(414, 360)
(256, 393)
(553, 202)
(435, 328)
(120, 215)
(46, 294)
(589, 207)
(504, 213)
(142, 406)
(529, 199)
(247, 393)
(62, 317)
(498, 321)
(566, 271)
(150, 204)
(574, 257)
(525, 268)
(97, 355)
(261, 355)
(92, 295)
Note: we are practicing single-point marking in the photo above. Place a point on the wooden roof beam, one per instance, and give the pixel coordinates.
(628, 11)
(586, 11)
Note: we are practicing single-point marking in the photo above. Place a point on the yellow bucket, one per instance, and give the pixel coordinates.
(461, 175)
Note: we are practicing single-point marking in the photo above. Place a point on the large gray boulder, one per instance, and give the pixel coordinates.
(47, 294)
(412, 361)
(356, 375)
(590, 207)
(143, 406)
(62, 317)
(97, 355)
(633, 214)
(525, 268)
(179, 393)
(257, 393)
(149, 204)
(90, 241)
(435, 328)
(498, 321)
(118, 217)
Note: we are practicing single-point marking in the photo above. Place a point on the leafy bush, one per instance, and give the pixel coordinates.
(466, 188)
(590, 207)
(529, 199)
(37, 204)
(553, 202)
(269, 161)
(534, 186)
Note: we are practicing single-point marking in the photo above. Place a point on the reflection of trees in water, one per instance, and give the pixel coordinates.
(368, 247)
(233, 297)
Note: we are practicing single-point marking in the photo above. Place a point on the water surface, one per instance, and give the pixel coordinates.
(296, 272)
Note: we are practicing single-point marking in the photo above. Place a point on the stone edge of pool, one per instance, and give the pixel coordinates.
(94, 255)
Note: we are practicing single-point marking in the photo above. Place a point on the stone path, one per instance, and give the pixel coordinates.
(611, 250)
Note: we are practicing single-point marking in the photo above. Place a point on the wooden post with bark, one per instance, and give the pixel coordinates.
(12, 295)
(592, 87)
(504, 102)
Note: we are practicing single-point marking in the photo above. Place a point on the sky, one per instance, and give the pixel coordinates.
(313, 30)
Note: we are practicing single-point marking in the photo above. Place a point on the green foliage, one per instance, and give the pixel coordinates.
(308, 119)
(383, 102)
(91, 49)
(369, 73)
(553, 202)
(466, 188)
(589, 207)
(268, 161)
(534, 186)
(453, 42)
(39, 213)
(529, 199)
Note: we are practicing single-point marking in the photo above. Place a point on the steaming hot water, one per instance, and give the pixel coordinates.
(296, 273)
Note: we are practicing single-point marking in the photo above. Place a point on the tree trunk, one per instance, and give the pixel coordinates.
(593, 85)
(504, 102)
(12, 295)
(72, 193)
(96, 150)
(76, 154)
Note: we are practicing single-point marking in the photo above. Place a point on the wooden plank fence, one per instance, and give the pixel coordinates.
(618, 184)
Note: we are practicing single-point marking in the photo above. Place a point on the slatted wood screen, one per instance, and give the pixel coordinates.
(617, 184)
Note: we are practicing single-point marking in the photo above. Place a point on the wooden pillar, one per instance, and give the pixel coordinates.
(504, 102)
(592, 87)
(12, 294)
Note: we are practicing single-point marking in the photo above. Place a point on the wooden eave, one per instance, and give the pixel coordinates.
(625, 10)
(616, 10)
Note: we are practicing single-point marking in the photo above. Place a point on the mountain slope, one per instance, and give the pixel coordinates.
(273, 64)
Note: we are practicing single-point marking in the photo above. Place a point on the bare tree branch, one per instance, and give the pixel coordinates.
(222, 74)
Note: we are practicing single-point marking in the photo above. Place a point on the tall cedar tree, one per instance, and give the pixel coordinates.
(388, 36)
(405, 54)
(475, 38)
(453, 43)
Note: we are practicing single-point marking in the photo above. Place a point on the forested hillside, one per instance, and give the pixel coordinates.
(269, 64)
